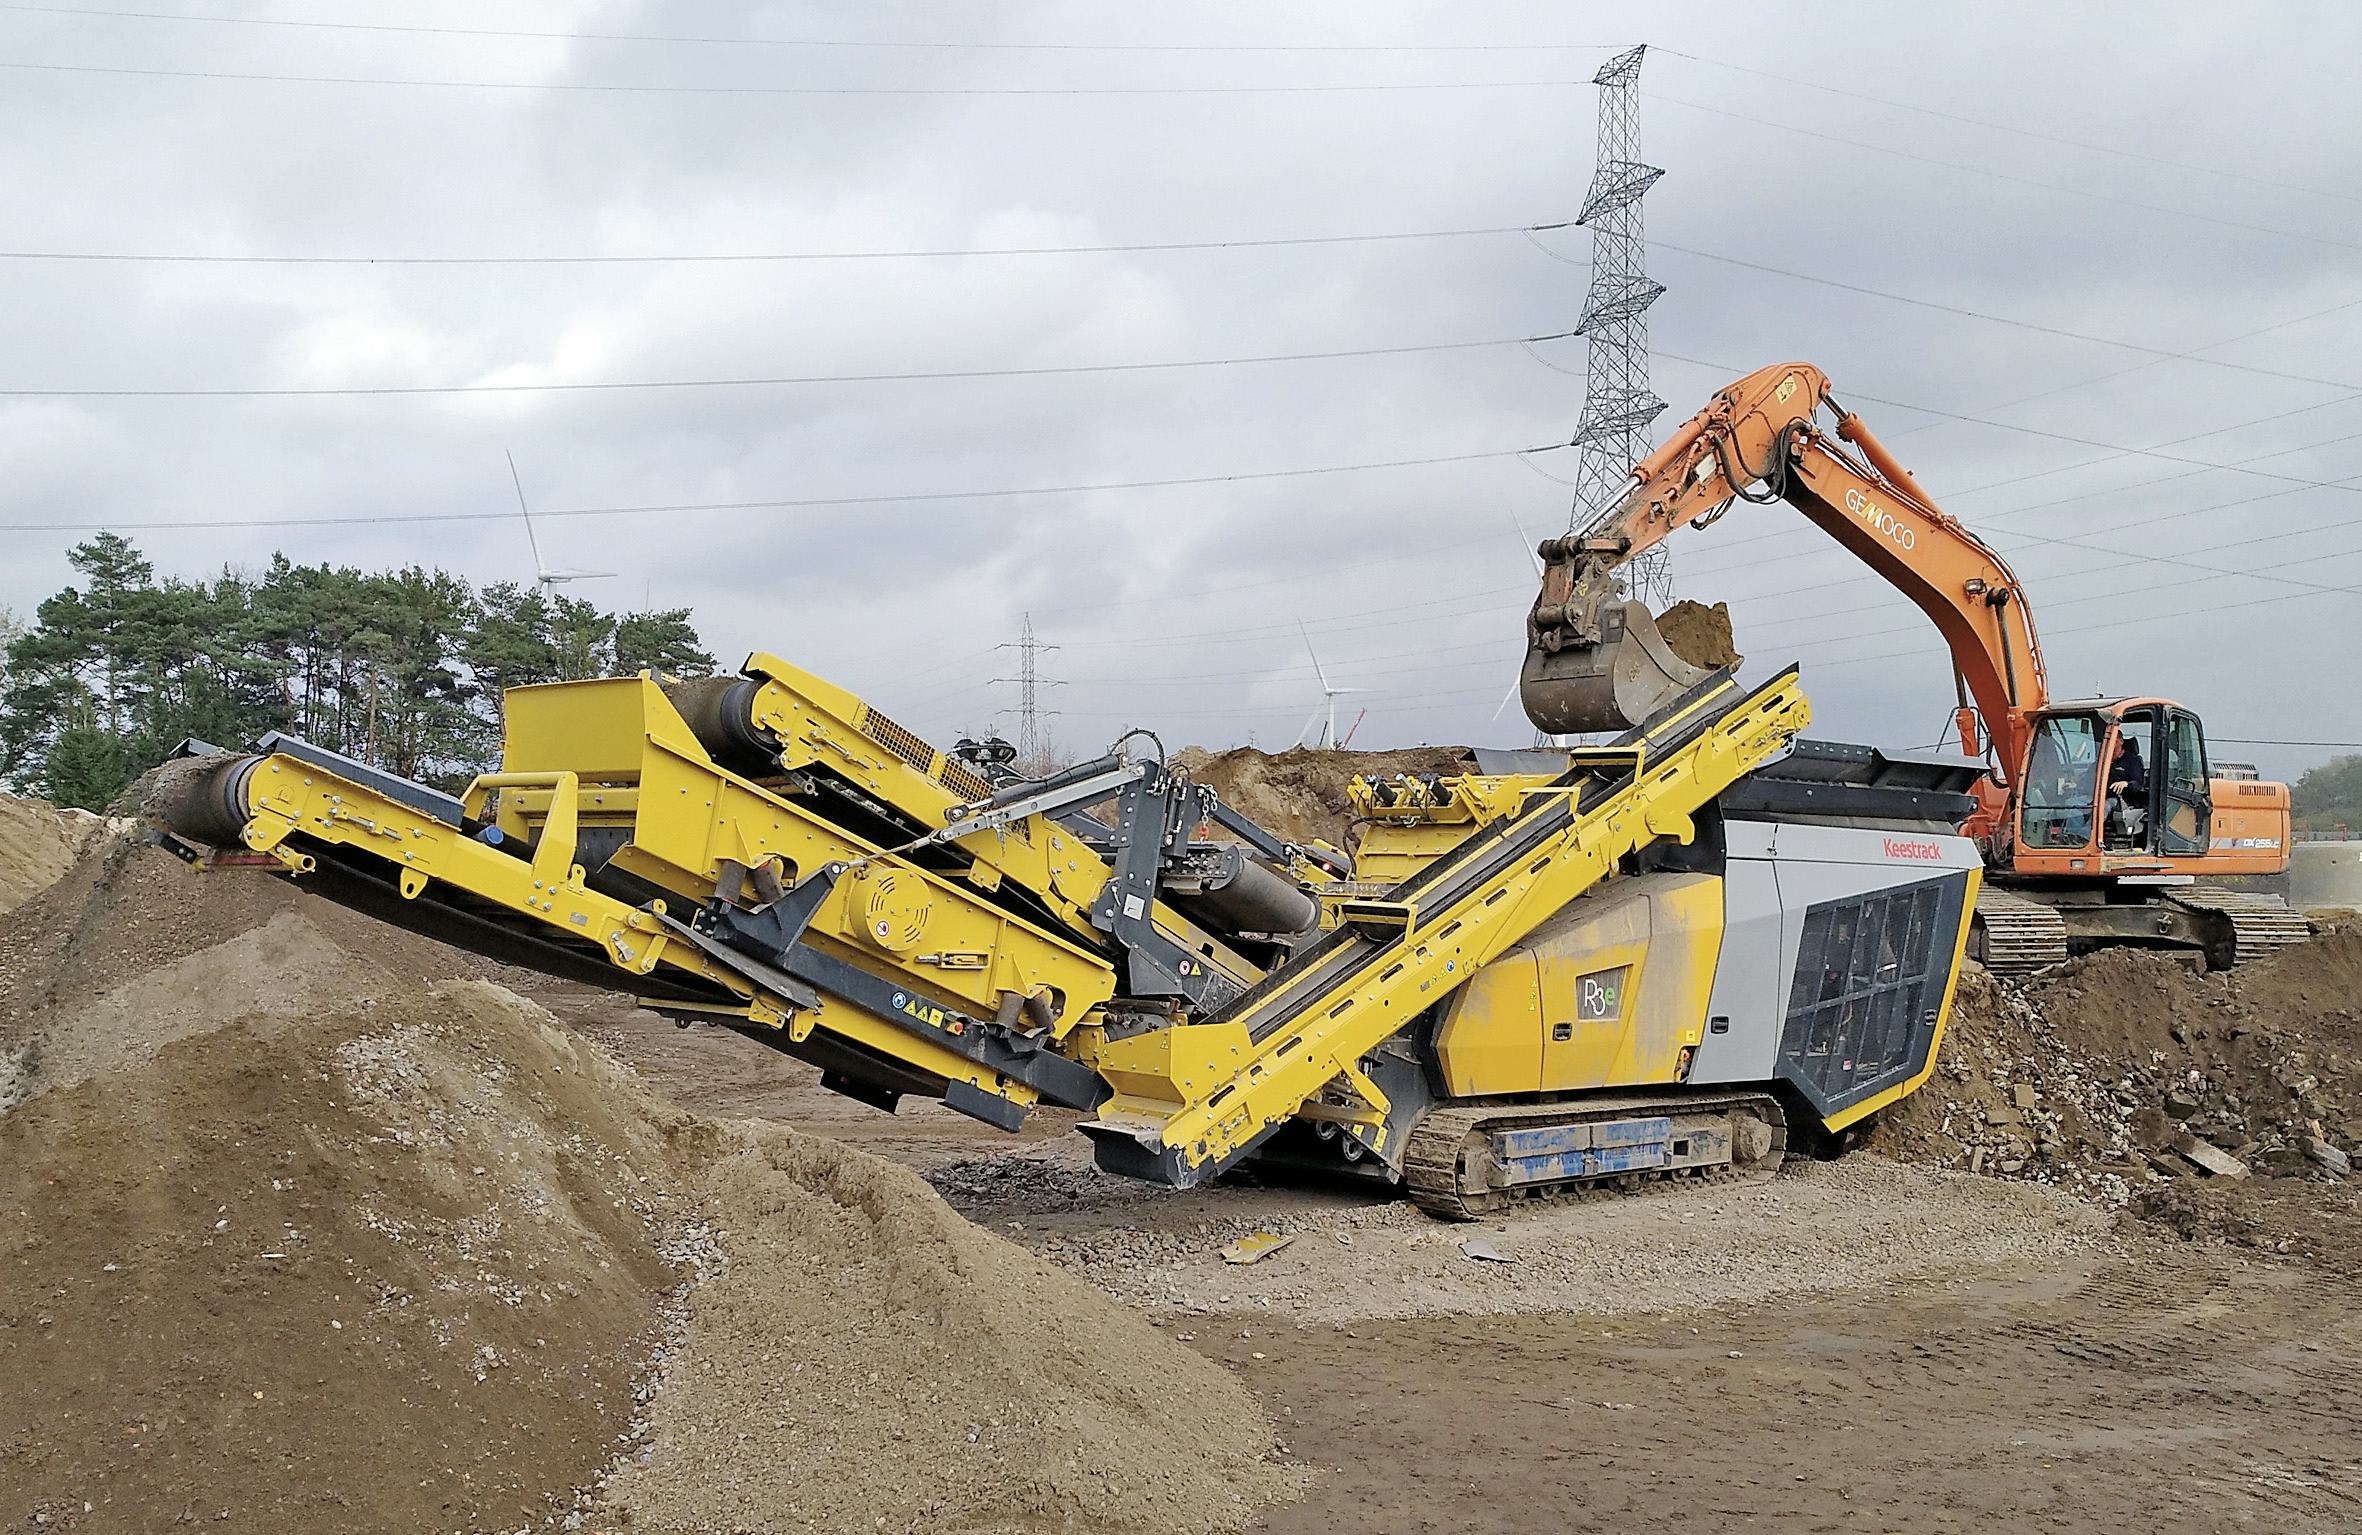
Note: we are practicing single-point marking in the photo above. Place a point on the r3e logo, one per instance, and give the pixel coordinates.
(1881, 521)
(1599, 996)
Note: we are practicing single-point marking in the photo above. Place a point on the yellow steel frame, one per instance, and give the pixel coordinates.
(1399, 840)
(624, 733)
(686, 816)
(1205, 1092)
(293, 805)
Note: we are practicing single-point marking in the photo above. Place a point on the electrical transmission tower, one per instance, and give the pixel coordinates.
(1618, 405)
(1029, 682)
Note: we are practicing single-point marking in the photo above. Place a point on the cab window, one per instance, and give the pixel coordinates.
(2062, 782)
(2186, 754)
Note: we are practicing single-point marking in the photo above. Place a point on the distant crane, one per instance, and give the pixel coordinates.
(547, 578)
(1329, 694)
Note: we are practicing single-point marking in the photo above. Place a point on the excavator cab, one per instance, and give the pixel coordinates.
(2111, 782)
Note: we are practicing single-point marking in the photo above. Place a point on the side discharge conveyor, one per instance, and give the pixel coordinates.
(1190, 1102)
(1646, 960)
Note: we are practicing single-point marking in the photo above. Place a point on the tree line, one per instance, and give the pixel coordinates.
(403, 668)
(2328, 799)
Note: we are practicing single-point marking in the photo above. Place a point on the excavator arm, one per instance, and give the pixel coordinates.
(1595, 661)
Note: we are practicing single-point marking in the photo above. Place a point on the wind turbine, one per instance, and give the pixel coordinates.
(1329, 694)
(1534, 553)
(542, 574)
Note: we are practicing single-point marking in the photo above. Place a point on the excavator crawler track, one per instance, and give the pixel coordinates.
(2246, 926)
(2016, 937)
(1451, 1168)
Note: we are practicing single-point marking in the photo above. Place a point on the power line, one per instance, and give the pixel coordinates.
(2155, 353)
(2015, 128)
(1485, 600)
(784, 504)
(2161, 354)
(1292, 88)
(1984, 520)
(947, 45)
(2011, 176)
(307, 391)
(2114, 449)
(717, 257)
(2129, 558)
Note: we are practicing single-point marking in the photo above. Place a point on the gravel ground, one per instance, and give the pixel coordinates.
(1816, 1227)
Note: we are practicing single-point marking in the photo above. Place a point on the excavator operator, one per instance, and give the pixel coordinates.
(2128, 792)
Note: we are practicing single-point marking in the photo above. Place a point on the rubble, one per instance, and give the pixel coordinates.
(2112, 1074)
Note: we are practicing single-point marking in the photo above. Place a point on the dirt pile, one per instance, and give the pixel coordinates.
(865, 1360)
(38, 843)
(1299, 794)
(350, 1248)
(311, 1227)
(1699, 634)
(2103, 1073)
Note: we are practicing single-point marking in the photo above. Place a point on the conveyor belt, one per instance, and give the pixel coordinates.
(1185, 1109)
(1346, 953)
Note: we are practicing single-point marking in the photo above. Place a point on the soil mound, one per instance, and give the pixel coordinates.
(1299, 794)
(304, 1242)
(2094, 1073)
(312, 1227)
(38, 843)
(1699, 634)
(866, 1360)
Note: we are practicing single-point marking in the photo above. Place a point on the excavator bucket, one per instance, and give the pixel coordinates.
(1615, 684)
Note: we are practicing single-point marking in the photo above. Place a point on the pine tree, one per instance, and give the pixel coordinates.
(404, 669)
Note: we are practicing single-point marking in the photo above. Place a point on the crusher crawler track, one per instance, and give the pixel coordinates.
(2246, 926)
(2015, 937)
(1463, 1162)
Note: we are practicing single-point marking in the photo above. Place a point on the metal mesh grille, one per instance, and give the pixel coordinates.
(964, 781)
(958, 777)
(898, 740)
(1869, 985)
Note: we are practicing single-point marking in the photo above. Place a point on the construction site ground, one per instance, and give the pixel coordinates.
(1854, 1345)
(306, 1222)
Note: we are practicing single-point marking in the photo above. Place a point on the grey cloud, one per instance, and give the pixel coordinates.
(1178, 607)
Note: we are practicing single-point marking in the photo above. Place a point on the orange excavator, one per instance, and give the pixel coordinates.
(2101, 819)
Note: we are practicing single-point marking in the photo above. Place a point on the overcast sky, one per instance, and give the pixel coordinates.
(2174, 186)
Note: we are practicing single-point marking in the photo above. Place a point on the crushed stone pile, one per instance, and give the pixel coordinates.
(2104, 1075)
(38, 844)
(302, 1235)
(862, 1345)
(1299, 794)
(1699, 634)
(311, 1226)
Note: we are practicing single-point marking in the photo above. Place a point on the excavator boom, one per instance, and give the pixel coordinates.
(1758, 440)
(2066, 809)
